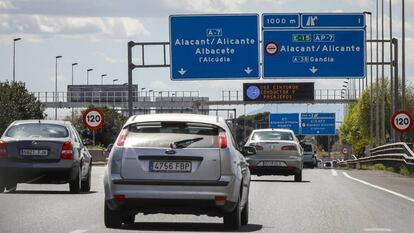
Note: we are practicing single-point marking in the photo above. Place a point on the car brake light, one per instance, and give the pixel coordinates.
(67, 150)
(288, 147)
(3, 150)
(122, 137)
(222, 140)
(220, 200)
(119, 197)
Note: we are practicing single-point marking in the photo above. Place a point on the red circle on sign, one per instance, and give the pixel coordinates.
(271, 48)
(396, 115)
(93, 119)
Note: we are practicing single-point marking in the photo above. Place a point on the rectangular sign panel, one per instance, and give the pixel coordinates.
(281, 20)
(278, 92)
(284, 121)
(214, 47)
(323, 53)
(327, 20)
(318, 123)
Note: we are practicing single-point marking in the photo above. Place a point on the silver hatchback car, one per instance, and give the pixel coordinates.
(278, 152)
(176, 164)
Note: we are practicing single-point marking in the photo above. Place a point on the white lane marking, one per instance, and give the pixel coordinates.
(334, 173)
(380, 188)
(78, 231)
(377, 230)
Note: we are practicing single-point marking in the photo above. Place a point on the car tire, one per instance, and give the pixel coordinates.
(245, 214)
(232, 220)
(298, 176)
(86, 184)
(1, 188)
(129, 219)
(75, 185)
(112, 218)
(11, 187)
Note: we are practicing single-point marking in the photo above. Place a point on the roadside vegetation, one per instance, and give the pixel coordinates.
(355, 128)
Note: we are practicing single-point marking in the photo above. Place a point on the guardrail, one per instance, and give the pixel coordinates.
(393, 155)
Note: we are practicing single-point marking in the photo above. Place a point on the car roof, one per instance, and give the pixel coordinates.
(56, 122)
(181, 117)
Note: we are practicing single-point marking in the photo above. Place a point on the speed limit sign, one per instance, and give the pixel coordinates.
(402, 121)
(93, 119)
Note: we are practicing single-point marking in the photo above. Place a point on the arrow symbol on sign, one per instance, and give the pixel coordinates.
(182, 71)
(248, 70)
(313, 69)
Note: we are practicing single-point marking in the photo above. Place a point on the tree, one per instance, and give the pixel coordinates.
(110, 130)
(355, 129)
(17, 104)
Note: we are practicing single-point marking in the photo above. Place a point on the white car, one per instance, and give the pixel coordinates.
(278, 152)
(176, 164)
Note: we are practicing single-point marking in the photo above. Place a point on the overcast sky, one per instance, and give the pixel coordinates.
(94, 33)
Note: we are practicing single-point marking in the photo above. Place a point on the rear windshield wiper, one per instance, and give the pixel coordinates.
(185, 143)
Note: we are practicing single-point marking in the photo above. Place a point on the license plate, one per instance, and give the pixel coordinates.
(271, 164)
(170, 166)
(31, 152)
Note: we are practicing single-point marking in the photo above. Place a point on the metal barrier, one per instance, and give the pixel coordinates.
(393, 155)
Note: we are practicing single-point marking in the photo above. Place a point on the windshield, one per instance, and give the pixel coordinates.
(37, 130)
(272, 135)
(172, 134)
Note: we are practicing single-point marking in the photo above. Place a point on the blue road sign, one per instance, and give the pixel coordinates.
(284, 121)
(336, 21)
(214, 46)
(281, 20)
(318, 123)
(323, 53)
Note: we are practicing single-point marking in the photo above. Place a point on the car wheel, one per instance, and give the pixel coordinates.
(245, 214)
(11, 187)
(75, 185)
(86, 185)
(232, 220)
(129, 219)
(1, 188)
(112, 218)
(298, 176)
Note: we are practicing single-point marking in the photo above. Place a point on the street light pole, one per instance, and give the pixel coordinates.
(56, 97)
(87, 76)
(377, 117)
(403, 57)
(392, 78)
(371, 112)
(14, 58)
(102, 76)
(382, 78)
(73, 64)
(114, 80)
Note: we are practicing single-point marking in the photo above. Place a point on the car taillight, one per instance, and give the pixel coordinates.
(67, 150)
(222, 140)
(121, 138)
(288, 147)
(3, 150)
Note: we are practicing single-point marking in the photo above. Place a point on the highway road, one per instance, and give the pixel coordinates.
(326, 201)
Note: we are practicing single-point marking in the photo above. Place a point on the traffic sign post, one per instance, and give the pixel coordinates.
(93, 119)
(214, 47)
(318, 123)
(284, 121)
(402, 121)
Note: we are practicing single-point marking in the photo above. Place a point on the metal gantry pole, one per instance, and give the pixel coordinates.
(391, 74)
(371, 123)
(130, 68)
(377, 117)
(383, 76)
(395, 64)
(403, 57)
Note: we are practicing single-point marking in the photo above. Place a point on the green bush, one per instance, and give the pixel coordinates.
(404, 171)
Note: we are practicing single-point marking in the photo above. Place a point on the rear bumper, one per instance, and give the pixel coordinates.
(36, 172)
(293, 166)
(172, 197)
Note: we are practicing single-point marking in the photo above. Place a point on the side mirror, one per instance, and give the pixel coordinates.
(249, 150)
(109, 147)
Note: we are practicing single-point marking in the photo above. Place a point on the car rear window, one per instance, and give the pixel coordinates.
(272, 135)
(37, 130)
(172, 134)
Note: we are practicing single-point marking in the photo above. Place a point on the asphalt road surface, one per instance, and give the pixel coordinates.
(326, 201)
